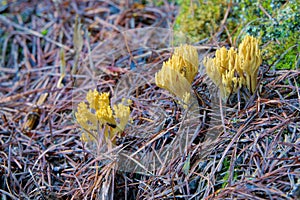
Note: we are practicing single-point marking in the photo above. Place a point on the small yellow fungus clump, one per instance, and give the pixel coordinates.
(178, 73)
(98, 115)
(230, 70)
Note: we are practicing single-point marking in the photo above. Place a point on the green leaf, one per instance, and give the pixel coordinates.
(186, 166)
(44, 32)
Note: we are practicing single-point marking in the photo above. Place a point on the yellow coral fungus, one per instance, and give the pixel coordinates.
(122, 113)
(230, 70)
(87, 120)
(96, 100)
(250, 56)
(221, 70)
(99, 114)
(188, 63)
(178, 72)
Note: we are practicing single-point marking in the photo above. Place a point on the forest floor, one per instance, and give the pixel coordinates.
(52, 52)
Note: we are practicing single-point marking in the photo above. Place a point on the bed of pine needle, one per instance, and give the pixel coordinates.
(255, 155)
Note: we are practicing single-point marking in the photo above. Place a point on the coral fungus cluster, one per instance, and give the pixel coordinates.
(99, 115)
(230, 70)
(178, 72)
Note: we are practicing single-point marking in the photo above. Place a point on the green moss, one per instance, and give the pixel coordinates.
(275, 22)
(199, 19)
(283, 55)
(156, 3)
(278, 31)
